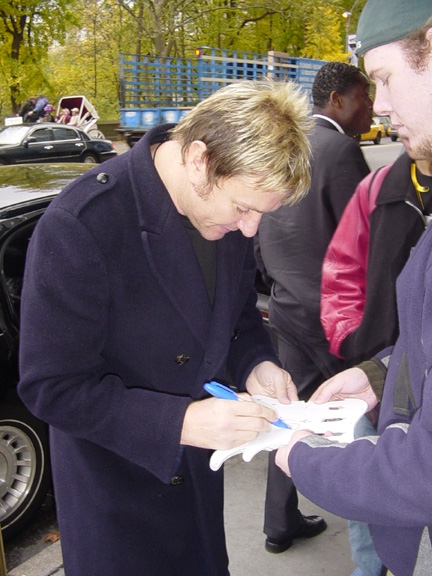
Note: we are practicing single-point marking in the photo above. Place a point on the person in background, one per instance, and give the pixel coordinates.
(47, 115)
(64, 116)
(382, 223)
(27, 107)
(138, 289)
(293, 242)
(386, 480)
(74, 120)
(38, 110)
(384, 220)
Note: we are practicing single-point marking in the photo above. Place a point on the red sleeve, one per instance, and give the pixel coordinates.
(343, 285)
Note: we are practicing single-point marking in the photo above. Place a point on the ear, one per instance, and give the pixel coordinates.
(195, 162)
(336, 99)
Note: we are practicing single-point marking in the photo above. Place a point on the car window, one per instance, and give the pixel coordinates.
(62, 133)
(384, 120)
(42, 135)
(13, 134)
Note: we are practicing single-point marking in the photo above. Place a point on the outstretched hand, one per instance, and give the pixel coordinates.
(282, 455)
(351, 383)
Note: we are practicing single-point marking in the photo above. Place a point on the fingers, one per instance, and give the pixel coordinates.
(252, 416)
(326, 392)
(335, 388)
(268, 379)
(284, 388)
(282, 455)
(290, 393)
(351, 383)
(223, 424)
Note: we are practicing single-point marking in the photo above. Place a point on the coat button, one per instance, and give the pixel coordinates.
(182, 359)
(235, 335)
(102, 178)
(177, 480)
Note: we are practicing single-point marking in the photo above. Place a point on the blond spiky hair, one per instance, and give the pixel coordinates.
(257, 129)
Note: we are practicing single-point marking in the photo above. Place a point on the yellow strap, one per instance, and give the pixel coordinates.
(418, 188)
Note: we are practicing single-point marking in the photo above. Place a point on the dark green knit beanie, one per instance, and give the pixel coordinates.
(385, 21)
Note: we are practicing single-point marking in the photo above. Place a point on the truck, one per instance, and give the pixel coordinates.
(155, 89)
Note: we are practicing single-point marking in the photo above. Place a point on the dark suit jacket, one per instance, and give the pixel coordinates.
(293, 240)
(118, 337)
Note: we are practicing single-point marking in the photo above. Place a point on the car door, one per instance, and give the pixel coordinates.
(39, 145)
(69, 145)
(25, 475)
(54, 144)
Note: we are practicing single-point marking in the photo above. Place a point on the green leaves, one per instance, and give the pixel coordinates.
(60, 47)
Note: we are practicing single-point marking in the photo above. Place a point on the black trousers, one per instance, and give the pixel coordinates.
(309, 365)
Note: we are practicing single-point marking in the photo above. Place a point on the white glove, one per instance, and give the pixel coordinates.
(336, 418)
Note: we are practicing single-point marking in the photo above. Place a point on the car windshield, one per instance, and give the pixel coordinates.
(13, 134)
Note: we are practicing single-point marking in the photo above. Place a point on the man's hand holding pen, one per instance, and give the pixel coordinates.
(221, 424)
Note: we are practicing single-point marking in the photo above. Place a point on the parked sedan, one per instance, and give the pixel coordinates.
(25, 192)
(50, 142)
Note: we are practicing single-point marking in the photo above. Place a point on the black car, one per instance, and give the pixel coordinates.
(51, 142)
(25, 478)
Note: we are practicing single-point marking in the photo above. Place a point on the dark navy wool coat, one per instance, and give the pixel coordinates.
(118, 337)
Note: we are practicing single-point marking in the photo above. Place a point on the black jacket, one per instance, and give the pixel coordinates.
(293, 240)
(396, 225)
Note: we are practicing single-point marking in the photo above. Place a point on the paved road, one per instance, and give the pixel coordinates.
(326, 555)
(381, 154)
(121, 147)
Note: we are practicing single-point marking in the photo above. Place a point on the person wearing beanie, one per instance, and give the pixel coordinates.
(386, 480)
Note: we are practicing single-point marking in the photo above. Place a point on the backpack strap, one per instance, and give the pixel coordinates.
(375, 185)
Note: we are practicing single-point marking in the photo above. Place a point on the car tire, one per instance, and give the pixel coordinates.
(393, 138)
(90, 159)
(378, 138)
(25, 472)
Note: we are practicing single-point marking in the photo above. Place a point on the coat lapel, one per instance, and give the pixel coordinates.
(166, 244)
(176, 268)
(173, 261)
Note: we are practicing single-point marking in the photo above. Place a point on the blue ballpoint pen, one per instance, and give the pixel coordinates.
(224, 393)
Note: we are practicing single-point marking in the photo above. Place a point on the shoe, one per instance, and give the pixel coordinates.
(311, 526)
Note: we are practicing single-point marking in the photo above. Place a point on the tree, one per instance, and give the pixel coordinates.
(27, 30)
(74, 50)
(87, 63)
(323, 37)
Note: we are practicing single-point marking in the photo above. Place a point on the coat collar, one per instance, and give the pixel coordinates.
(147, 184)
(321, 120)
(170, 253)
(397, 185)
